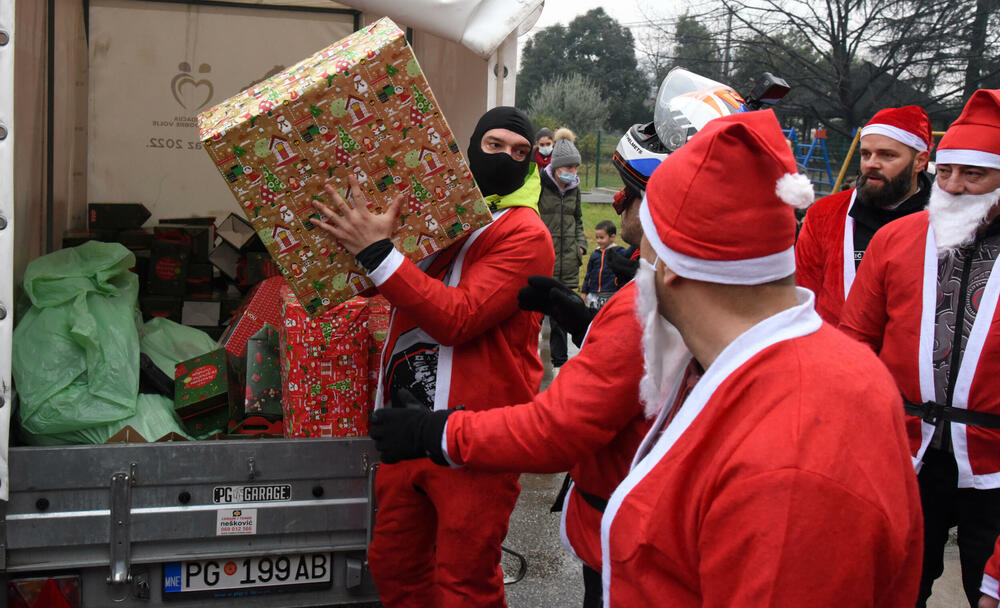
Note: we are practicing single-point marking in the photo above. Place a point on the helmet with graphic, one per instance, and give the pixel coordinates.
(684, 103)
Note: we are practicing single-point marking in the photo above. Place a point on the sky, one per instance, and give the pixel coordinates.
(631, 13)
(627, 12)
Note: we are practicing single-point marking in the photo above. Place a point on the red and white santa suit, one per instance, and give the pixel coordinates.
(820, 264)
(826, 254)
(438, 531)
(782, 478)
(891, 309)
(589, 421)
(772, 486)
(991, 576)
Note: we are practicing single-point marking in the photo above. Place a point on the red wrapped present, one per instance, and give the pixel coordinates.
(324, 369)
(263, 305)
(379, 312)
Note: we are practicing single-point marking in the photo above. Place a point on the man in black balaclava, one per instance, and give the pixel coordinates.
(500, 151)
(457, 338)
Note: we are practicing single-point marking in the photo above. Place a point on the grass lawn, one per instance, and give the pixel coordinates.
(593, 213)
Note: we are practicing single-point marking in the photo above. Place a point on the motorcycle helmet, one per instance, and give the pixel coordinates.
(684, 103)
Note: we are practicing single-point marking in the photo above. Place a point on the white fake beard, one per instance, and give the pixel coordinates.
(956, 217)
(663, 350)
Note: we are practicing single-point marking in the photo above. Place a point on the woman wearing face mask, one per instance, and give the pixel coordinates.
(543, 148)
(559, 206)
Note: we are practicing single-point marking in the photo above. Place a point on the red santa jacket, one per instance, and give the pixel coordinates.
(991, 576)
(589, 421)
(489, 347)
(782, 480)
(820, 264)
(892, 309)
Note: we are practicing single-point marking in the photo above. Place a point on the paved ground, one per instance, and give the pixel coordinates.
(598, 195)
(553, 579)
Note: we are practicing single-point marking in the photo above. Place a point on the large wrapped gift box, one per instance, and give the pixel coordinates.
(361, 107)
(324, 370)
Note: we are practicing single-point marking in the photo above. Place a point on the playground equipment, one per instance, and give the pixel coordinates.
(814, 159)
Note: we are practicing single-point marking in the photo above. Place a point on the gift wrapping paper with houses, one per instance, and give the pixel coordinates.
(360, 107)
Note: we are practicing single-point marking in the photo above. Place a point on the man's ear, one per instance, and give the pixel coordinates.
(921, 160)
(664, 275)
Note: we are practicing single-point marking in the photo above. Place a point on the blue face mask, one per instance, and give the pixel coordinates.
(566, 178)
(545, 150)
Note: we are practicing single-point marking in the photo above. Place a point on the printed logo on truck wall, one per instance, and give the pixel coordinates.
(192, 94)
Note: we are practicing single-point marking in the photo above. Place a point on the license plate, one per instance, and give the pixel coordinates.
(247, 575)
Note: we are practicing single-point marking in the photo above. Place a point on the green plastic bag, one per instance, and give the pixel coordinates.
(154, 417)
(75, 356)
(168, 343)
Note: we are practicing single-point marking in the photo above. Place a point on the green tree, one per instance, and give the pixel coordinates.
(593, 45)
(695, 48)
(574, 101)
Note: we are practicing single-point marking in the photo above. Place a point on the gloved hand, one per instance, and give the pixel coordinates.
(551, 297)
(408, 430)
(623, 268)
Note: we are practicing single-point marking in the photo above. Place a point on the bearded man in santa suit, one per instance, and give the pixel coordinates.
(925, 300)
(895, 148)
(776, 472)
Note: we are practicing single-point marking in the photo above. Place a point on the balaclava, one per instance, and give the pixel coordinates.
(499, 173)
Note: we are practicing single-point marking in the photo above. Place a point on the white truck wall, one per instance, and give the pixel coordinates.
(7, 133)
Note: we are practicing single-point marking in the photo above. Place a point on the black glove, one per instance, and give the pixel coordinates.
(408, 430)
(551, 297)
(623, 267)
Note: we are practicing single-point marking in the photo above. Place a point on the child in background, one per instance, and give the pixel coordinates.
(599, 283)
(543, 148)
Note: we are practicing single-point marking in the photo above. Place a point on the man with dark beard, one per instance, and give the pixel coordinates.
(895, 148)
(763, 482)
(457, 338)
(925, 300)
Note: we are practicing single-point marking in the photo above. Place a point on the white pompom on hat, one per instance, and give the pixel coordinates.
(720, 209)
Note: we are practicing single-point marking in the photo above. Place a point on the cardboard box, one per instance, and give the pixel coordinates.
(73, 239)
(236, 231)
(360, 107)
(201, 384)
(258, 266)
(226, 258)
(201, 313)
(136, 240)
(200, 237)
(168, 267)
(261, 377)
(324, 369)
(168, 307)
(263, 305)
(212, 420)
(116, 216)
(199, 280)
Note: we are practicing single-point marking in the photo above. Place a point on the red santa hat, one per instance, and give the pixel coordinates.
(974, 139)
(719, 209)
(908, 125)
